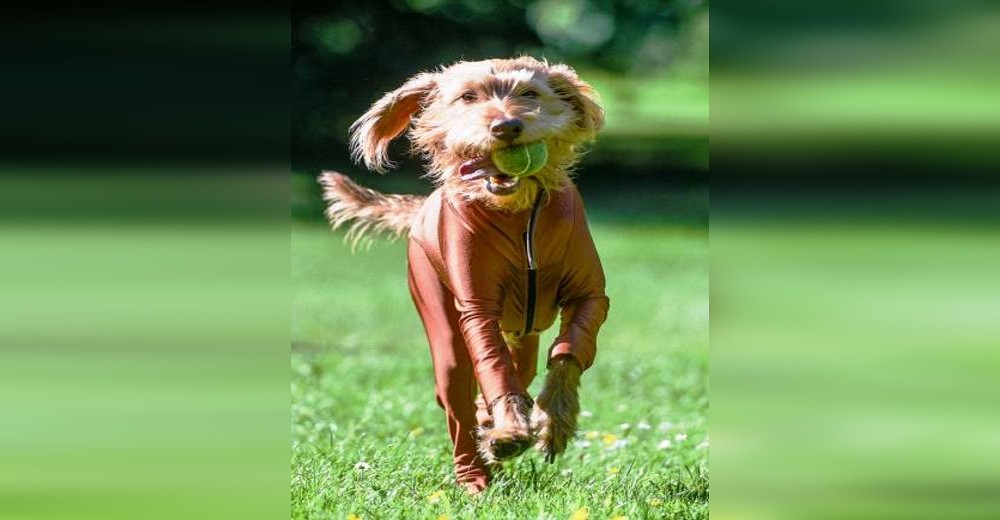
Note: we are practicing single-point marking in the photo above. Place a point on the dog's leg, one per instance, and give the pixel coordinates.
(524, 355)
(554, 417)
(455, 382)
(510, 434)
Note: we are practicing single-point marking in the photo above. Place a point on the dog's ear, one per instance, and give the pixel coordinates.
(387, 119)
(568, 86)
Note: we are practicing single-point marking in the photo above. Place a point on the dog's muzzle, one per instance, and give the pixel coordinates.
(497, 183)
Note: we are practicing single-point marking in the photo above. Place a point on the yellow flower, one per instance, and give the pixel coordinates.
(353, 516)
(655, 502)
(445, 517)
(619, 517)
(591, 435)
(580, 514)
(416, 432)
(613, 470)
(435, 497)
(609, 439)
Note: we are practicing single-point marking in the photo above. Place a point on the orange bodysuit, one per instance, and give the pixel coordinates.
(485, 282)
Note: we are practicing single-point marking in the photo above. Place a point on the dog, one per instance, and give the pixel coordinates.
(492, 258)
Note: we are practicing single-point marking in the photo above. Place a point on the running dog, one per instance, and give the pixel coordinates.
(493, 257)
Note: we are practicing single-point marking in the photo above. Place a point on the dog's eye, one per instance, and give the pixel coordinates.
(530, 94)
(468, 96)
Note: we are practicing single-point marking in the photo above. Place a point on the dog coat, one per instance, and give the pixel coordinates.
(512, 274)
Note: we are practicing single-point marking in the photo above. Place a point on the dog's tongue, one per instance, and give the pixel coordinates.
(475, 169)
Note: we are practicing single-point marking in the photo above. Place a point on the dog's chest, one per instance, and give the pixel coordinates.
(530, 298)
(535, 250)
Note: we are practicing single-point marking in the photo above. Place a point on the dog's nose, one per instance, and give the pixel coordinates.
(507, 129)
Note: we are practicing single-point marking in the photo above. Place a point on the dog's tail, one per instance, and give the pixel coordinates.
(369, 212)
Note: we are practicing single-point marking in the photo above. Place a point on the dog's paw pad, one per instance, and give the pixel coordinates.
(513, 448)
(496, 445)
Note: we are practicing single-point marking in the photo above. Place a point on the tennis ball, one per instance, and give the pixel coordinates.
(521, 159)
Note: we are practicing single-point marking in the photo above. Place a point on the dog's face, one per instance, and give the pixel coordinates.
(459, 115)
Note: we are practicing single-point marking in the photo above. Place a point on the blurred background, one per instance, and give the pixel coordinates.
(647, 59)
(854, 259)
(144, 274)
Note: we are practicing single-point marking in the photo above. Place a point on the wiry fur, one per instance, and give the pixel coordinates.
(554, 417)
(368, 211)
(510, 433)
(447, 132)
(386, 120)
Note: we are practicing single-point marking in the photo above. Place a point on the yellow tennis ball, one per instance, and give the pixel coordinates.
(521, 159)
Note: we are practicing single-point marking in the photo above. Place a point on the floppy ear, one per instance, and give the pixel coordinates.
(568, 86)
(386, 120)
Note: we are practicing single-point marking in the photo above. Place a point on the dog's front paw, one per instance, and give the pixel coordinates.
(554, 418)
(551, 438)
(510, 434)
(554, 423)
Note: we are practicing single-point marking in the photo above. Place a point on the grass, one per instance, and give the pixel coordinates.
(369, 440)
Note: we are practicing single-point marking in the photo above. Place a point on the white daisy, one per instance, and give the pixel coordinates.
(664, 444)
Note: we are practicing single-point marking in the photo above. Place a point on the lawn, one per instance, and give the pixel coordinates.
(369, 440)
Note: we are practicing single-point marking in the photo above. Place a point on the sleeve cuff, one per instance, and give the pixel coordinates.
(564, 348)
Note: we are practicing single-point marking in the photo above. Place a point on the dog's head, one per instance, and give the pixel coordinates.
(457, 116)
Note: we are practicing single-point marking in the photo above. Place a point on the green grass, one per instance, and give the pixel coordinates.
(363, 395)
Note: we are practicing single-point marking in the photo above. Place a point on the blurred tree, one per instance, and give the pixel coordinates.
(346, 55)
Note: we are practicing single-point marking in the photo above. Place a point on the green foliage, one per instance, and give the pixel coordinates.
(649, 58)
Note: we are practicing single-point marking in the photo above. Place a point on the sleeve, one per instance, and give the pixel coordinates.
(581, 295)
(476, 273)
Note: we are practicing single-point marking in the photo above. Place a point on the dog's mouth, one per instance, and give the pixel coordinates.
(496, 182)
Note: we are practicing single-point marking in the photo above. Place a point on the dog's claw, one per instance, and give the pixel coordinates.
(552, 439)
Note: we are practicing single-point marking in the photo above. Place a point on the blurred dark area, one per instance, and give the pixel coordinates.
(647, 59)
(144, 88)
(143, 115)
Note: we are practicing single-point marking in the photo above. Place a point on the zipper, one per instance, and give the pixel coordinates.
(529, 247)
